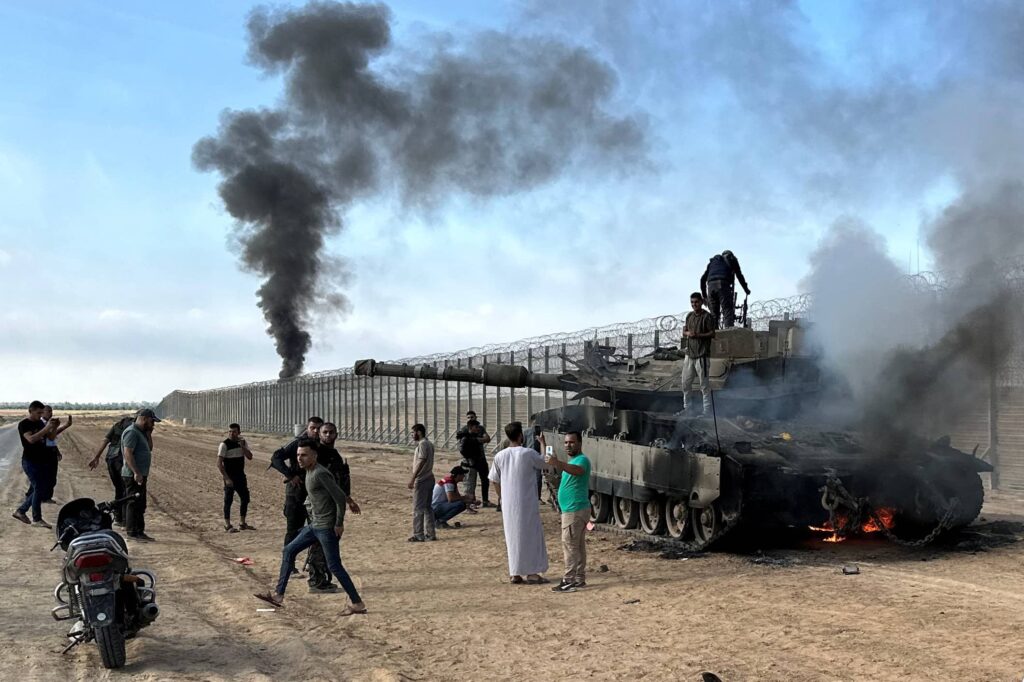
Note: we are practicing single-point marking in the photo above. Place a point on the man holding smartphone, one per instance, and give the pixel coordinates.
(574, 500)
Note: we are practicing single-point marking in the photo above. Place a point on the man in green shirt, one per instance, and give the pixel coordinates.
(325, 503)
(574, 500)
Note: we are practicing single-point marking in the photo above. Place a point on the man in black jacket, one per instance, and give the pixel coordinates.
(717, 285)
(329, 457)
(286, 461)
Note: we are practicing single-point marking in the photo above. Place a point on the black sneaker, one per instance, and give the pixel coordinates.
(564, 586)
(329, 588)
(579, 583)
(141, 537)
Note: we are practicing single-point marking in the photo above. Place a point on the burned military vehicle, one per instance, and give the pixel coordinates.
(757, 460)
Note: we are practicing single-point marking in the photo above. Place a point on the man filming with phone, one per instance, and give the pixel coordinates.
(574, 500)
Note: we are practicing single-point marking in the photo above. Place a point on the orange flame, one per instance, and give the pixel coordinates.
(885, 515)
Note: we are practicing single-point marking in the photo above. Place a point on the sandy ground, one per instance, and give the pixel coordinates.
(444, 609)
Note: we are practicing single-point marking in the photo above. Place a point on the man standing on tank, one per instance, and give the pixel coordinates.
(717, 285)
(698, 330)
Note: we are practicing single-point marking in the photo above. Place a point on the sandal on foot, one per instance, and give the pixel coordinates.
(230, 529)
(539, 580)
(516, 580)
(246, 526)
(351, 611)
(269, 598)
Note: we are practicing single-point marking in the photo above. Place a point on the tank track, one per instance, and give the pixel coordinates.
(667, 541)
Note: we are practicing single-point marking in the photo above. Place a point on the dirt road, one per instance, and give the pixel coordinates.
(444, 610)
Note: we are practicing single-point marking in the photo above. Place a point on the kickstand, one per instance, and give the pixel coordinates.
(75, 641)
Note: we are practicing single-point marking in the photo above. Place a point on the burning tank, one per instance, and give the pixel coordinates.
(755, 461)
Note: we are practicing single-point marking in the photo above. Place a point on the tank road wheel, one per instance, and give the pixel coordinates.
(600, 507)
(626, 513)
(706, 522)
(652, 517)
(677, 518)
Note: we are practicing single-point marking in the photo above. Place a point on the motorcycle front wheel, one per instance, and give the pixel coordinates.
(110, 641)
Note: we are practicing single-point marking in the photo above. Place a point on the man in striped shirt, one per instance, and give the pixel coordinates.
(231, 456)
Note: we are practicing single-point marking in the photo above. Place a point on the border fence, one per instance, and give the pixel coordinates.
(383, 409)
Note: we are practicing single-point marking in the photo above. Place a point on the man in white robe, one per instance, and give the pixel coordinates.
(514, 473)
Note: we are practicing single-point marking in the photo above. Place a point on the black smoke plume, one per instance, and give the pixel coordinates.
(488, 114)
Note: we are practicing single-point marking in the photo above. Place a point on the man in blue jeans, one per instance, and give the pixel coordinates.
(446, 502)
(325, 502)
(35, 463)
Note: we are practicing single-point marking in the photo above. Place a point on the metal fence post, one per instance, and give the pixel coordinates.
(547, 369)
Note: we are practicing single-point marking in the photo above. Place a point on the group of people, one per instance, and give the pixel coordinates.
(717, 291)
(317, 487)
(514, 473)
(40, 459)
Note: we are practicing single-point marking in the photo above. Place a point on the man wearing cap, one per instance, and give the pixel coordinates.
(137, 449)
(111, 446)
(717, 286)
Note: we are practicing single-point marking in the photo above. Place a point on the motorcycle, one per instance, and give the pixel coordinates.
(109, 600)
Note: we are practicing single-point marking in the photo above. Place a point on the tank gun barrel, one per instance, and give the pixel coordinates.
(491, 374)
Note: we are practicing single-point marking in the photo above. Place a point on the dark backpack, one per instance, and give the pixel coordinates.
(719, 269)
(117, 430)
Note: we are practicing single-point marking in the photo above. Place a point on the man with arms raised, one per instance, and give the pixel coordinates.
(325, 504)
(137, 447)
(33, 432)
(515, 480)
(574, 501)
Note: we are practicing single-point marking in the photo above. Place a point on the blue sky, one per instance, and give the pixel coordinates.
(118, 282)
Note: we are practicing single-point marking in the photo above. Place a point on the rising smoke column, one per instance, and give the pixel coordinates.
(489, 114)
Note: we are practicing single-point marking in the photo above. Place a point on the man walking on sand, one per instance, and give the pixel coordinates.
(515, 480)
(137, 447)
(422, 486)
(285, 461)
(328, 457)
(231, 456)
(325, 503)
(574, 501)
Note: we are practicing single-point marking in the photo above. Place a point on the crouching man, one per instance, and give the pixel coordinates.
(325, 503)
(446, 501)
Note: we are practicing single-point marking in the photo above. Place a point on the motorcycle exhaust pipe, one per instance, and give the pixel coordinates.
(148, 613)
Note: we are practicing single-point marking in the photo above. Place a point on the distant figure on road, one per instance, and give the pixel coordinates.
(231, 456)
(717, 285)
(515, 480)
(422, 486)
(446, 502)
(326, 506)
(137, 447)
(111, 445)
(33, 432)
